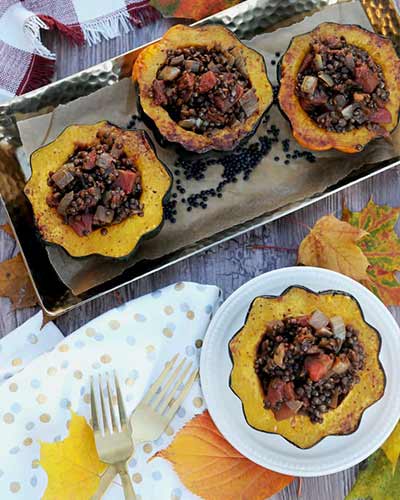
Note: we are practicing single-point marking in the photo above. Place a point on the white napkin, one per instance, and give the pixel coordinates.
(136, 339)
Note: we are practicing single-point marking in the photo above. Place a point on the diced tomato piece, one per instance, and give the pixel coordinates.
(222, 104)
(381, 115)
(367, 79)
(333, 41)
(90, 160)
(215, 116)
(303, 320)
(186, 81)
(225, 104)
(306, 62)
(82, 227)
(288, 391)
(207, 82)
(126, 180)
(275, 391)
(239, 92)
(279, 391)
(317, 366)
(284, 412)
(186, 85)
(159, 95)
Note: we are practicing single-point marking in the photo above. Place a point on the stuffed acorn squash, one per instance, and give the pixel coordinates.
(340, 87)
(306, 365)
(202, 88)
(98, 189)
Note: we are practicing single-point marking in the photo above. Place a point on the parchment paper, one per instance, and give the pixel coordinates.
(271, 185)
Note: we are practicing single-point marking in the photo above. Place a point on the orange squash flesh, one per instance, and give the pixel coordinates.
(153, 57)
(305, 130)
(121, 239)
(245, 383)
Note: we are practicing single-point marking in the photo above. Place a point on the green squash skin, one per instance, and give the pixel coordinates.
(146, 236)
(326, 292)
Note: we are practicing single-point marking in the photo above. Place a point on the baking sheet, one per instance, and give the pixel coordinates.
(271, 185)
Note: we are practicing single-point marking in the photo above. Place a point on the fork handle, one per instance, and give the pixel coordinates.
(126, 481)
(105, 480)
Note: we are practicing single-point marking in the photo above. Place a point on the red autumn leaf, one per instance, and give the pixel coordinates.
(190, 9)
(212, 469)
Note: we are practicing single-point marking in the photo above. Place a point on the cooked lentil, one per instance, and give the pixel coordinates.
(97, 186)
(238, 164)
(310, 368)
(204, 89)
(341, 87)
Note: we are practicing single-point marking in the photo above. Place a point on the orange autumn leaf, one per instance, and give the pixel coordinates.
(384, 284)
(212, 469)
(16, 284)
(7, 229)
(190, 9)
(331, 244)
(73, 467)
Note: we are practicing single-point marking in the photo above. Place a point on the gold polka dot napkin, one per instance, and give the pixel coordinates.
(136, 339)
(25, 343)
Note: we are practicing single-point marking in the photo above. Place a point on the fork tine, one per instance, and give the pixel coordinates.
(153, 388)
(103, 407)
(171, 412)
(95, 420)
(110, 403)
(121, 405)
(170, 381)
(170, 395)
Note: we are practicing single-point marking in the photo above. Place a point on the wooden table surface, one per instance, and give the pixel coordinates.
(228, 265)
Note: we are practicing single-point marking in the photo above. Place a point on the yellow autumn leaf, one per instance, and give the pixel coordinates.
(391, 447)
(73, 467)
(331, 244)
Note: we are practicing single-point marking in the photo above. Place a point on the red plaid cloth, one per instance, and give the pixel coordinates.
(25, 63)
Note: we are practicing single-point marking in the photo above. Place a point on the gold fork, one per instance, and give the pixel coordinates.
(114, 446)
(155, 411)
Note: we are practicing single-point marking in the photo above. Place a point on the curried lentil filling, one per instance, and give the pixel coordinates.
(98, 186)
(341, 87)
(307, 365)
(204, 89)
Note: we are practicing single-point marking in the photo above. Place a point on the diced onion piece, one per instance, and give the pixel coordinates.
(249, 102)
(348, 111)
(327, 79)
(169, 73)
(294, 405)
(309, 84)
(65, 203)
(338, 327)
(318, 62)
(318, 320)
(341, 365)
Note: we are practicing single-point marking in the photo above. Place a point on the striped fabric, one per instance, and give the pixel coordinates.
(26, 64)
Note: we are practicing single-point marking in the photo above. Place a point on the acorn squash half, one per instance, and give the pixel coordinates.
(305, 130)
(152, 58)
(244, 382)
(121, 239)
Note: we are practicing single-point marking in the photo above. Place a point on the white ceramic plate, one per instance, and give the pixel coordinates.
(334, 453)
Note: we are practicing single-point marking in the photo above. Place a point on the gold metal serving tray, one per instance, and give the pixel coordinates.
(246, 20)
